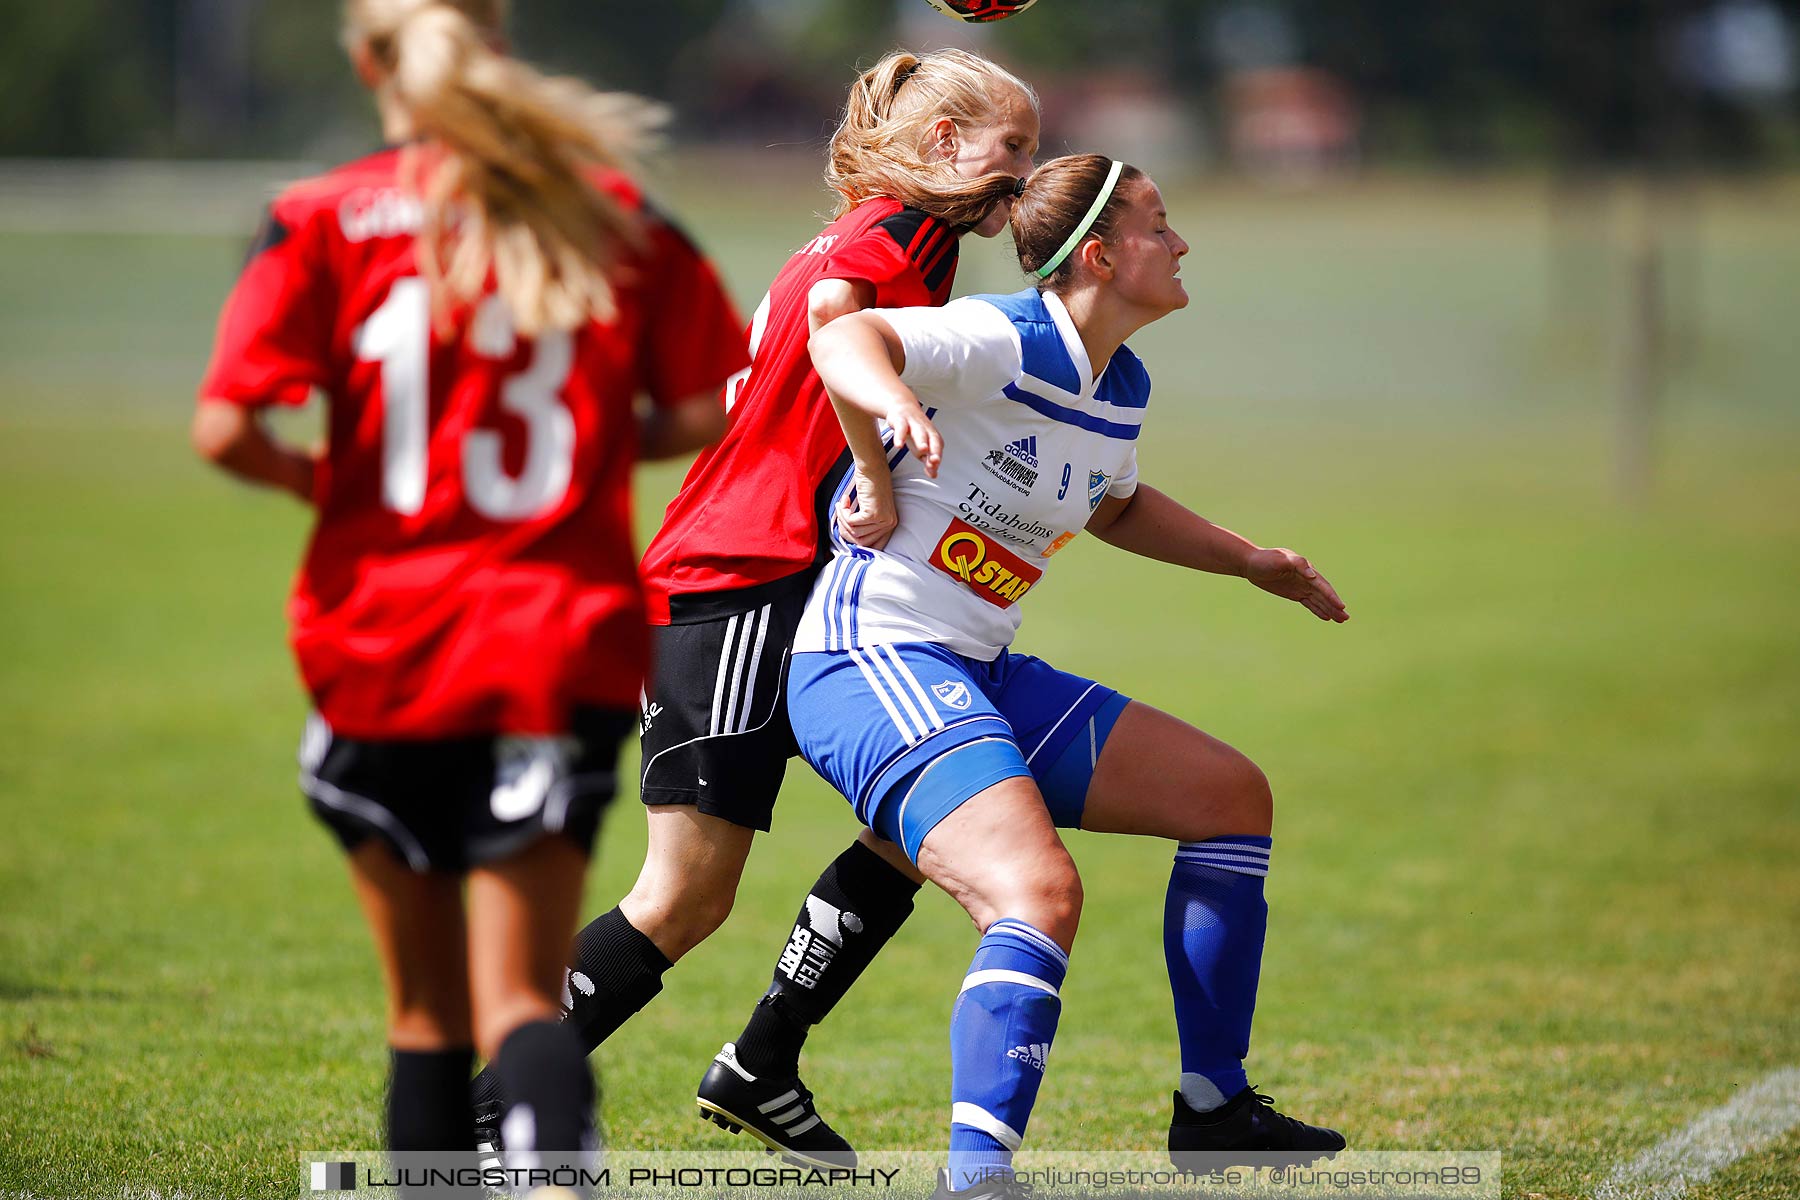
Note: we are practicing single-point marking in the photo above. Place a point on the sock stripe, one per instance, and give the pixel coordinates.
(1223, 856)
(979, 1118)
(1030, 934)
(1234, 868)
(1225, 847)
(975, 979)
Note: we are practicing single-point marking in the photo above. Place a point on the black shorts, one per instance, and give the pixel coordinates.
(449, 804)
(715, 729)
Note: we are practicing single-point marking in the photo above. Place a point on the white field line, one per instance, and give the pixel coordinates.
(1716, 1139)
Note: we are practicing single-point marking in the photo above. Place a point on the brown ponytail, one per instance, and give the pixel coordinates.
(1055, 199)
(882, 146)
(503, 182)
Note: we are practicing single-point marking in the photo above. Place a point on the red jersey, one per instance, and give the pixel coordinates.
(750, 512)
(472, 568)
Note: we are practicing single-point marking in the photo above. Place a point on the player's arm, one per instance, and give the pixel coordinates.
(1154, 525)
(233, 438)
(671, 430)
(867, 515)
(859, 358)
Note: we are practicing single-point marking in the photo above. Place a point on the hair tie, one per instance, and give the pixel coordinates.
(906, 73)
(1086, 223)
(1019, 187)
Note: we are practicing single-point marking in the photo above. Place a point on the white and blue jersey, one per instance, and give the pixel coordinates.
(902, 691)
(1032, 444)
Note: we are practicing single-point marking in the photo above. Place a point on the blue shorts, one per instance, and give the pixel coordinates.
(908, 732)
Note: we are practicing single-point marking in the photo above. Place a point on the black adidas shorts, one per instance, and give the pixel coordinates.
(449, 804)
(715, 729)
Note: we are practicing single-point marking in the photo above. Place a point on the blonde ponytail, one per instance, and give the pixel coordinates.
(883, 143)
(501, 172)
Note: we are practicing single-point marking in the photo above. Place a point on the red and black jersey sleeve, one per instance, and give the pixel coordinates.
(903, 251)
(694, 339)
(274, 338)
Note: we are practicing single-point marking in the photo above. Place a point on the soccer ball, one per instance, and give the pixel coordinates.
(975, 11)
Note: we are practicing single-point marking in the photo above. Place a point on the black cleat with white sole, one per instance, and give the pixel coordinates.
(488, 1143)
(1245, 1124)
(779, 1113)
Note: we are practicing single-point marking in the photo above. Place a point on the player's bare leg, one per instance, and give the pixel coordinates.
(522, 912)
(689, 880)
(685, 890)
(417, 922)
(1159, 776)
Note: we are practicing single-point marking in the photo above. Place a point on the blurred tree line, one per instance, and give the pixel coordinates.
(1473, 82)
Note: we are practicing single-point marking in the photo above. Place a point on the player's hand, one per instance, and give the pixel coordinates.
(1286, 574)
(914, 430)
(867, 514)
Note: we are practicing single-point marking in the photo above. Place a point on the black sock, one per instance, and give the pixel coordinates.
(615, 971)
(549, 1093)
(771, 1041)
(859, 902)
(425, 1109)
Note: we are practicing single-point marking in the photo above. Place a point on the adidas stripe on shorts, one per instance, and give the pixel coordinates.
(907, 732)
(714, 725)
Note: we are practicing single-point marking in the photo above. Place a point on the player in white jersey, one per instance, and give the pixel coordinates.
(1021, 415)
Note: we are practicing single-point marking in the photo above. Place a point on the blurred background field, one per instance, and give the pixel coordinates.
(1538, 803)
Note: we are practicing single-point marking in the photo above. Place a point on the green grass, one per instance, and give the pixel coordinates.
(1538, 803)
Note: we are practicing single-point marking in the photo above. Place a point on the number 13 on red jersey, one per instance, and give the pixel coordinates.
(398, 337)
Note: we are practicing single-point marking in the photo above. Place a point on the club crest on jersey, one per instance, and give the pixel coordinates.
(989, 569)
(1097, 481)
(953, 692)
(1015, 464)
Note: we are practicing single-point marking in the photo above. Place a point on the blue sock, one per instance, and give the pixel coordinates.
(1000, 1034)
(1213, 926)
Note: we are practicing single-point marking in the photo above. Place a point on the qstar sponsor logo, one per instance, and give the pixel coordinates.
(989, 569)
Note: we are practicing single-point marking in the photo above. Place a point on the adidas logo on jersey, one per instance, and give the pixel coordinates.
(1025, 450)
(1036, 1055)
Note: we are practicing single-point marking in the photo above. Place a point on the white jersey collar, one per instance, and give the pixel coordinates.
(1065, 325)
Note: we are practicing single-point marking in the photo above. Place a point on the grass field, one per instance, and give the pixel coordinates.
(1538, 803)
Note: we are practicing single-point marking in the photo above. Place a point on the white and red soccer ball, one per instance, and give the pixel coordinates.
(978, 11)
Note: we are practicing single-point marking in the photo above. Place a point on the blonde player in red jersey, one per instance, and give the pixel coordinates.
(921, 137)
(483, 305)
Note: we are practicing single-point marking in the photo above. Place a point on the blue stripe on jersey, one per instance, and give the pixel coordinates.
(833, 569)
(1072, 416)
(862, 559)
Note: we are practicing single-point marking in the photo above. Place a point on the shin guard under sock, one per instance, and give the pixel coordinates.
(1213, 926)
(857, 905)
